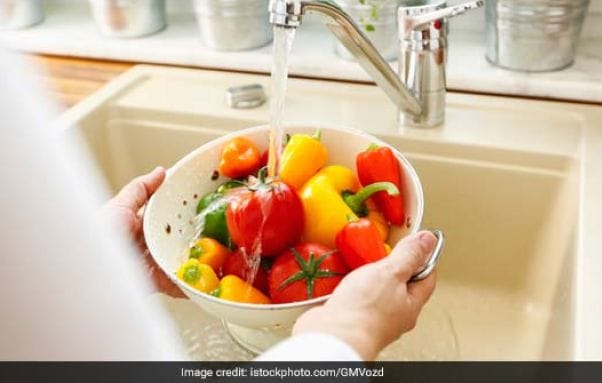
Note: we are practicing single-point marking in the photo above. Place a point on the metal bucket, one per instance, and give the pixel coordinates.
(233, 25)
(378, 22)
(128, 18)
(533, 35)
(17, 14)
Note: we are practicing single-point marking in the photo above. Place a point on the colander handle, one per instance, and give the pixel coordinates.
(432, 262)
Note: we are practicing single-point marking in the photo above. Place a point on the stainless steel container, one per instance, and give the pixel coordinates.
(233, 25)
(17, 14)
(128, 18)
(378, 20)
(533, 35)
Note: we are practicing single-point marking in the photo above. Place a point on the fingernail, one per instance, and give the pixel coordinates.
(158, 170)
(427, 241)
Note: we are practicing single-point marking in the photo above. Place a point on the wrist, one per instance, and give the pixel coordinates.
(360, 337)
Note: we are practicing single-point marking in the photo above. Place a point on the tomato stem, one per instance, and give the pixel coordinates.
(310, 271)
(262, 174)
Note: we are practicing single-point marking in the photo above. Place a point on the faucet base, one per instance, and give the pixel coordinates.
(433, 111)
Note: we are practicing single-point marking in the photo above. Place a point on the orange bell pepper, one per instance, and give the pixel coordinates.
(378, 219)
(210, 252)
(240, 158)
(232, 288)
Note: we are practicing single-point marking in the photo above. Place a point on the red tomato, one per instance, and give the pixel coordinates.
(304, 272)
(265, 217)
(237, 264)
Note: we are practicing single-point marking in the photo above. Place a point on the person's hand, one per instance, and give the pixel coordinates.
(374, 305)
(124, 209)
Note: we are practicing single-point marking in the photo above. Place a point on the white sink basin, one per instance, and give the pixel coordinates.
(514, 183)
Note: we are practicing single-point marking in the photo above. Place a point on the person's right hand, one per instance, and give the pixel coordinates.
(124, 209)
(375, 304)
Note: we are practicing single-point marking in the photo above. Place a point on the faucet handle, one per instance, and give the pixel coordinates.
(413, 18)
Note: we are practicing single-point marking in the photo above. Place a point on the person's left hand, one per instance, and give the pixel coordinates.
(124, 208)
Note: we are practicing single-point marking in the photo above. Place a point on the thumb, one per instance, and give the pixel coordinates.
(411, 254)
(135, 194)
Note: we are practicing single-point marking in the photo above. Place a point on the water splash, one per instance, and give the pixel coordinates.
(199, 219)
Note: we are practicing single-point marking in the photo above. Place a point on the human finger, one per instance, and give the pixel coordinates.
(136, 193)
(410, 254)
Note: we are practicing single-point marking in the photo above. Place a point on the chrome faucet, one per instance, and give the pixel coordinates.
(419, 88)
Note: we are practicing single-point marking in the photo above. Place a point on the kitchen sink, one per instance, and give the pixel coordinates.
(514, 183)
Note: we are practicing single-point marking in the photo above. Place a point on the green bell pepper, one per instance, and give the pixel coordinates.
(213, 206)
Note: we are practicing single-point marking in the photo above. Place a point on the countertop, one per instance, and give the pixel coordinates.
(70, 80)
(70, 31)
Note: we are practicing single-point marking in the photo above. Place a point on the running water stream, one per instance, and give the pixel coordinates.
(283, 42)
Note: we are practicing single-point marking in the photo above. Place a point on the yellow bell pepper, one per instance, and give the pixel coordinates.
(330, 202)
(198, 276)
(302, 157)
(210, 252)
(232, 288)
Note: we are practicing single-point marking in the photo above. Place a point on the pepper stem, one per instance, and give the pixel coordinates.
(192, 274)
(373, 146)
(352, 218)
(318, 134)
(356, 201)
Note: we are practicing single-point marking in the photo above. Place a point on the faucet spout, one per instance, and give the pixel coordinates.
(289, 14)
(286, 13)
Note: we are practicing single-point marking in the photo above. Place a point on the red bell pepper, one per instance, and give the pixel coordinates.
(378, 164)
(360, 243)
